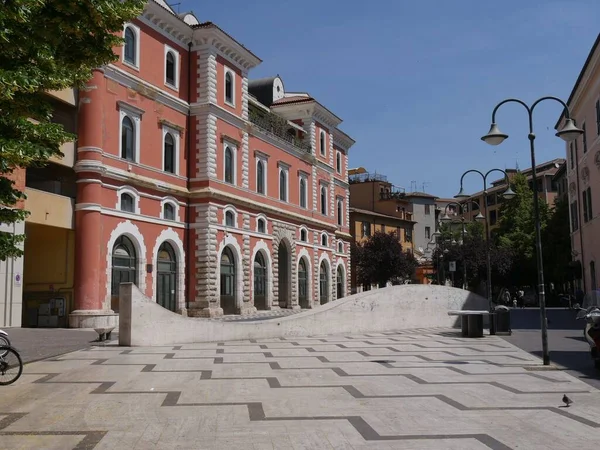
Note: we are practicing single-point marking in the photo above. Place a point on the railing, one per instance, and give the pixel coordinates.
(364, 177)
(278, 127)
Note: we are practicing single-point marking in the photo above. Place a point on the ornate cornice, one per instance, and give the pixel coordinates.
(210, 35)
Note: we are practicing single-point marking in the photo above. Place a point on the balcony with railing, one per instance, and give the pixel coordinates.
(279, 128)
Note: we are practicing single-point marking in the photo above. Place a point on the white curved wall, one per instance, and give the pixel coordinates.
(142, 322)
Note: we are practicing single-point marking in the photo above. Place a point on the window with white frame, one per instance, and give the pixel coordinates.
(170, 150)
(169, 211)
(324, 200)
(171, 67)
(229, 166)
(340, 212)
(261, 225)
(131, 47)
(303, 235)
(229, 87)
(283, 183)
(340, 247)
(129, 128)
(303, 191)
(261, 176)
(324, 240)
(230, 218)
(338, 162)
(128, 200)
(322, 143)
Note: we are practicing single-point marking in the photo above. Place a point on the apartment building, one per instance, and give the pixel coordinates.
(583, 172)
(214, 193)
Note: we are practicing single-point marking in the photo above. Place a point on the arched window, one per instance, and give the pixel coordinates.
(303, 284)
(303, 235)
(322, 143)
(229, 219)
(262, 228)
(338, 162)
(324, 240)
(169, 154)
(260, 177)
(302, 193)
(124, 263)
(130, 46)
(323, 283)
(170, 68)
(260, 281)
(283, 185)
(339, 213)
(229, 87)
(166, 277)
(169, 211)
(228, 165)
(340, 247)
(323, 200)
(127, 202)
(227, 278)
(127, 139)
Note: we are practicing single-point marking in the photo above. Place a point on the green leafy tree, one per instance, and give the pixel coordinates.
(516, 231)
(46, 45)
(556, 244)
(381, 259)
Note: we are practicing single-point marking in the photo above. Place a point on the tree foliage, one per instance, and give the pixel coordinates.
(46, 45)
(556, 244)
(381, 259)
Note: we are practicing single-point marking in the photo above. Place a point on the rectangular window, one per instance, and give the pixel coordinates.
(491, 199)
(366, 229)
(493, 217)
(399, 233)
(584, 138)
(382, 228)
(585, 206)
(427, 232)
(407, 235)
(574, 217)
(598, 117)
(572, 156)
(589, 206)
(303, 192)
(427, 209)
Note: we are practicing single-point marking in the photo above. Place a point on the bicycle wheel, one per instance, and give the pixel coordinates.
(4, 342)
(11, 366)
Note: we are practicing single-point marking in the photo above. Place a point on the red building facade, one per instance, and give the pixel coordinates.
(213, 193)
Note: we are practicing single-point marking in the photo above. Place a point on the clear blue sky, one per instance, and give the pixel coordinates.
(416, 82)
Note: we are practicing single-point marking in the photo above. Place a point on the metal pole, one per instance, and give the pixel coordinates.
(488, 260)
(538, 248)
(465, 284)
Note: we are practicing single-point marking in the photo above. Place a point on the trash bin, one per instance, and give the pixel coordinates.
(502, 318)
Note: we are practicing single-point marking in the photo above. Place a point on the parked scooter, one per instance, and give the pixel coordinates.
(591, 313)
(4, 341)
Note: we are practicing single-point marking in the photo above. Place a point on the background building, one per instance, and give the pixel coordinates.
(583, 172)
(423, 207)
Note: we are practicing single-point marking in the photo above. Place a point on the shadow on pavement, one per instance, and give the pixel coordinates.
(578, 361)
(558, 319)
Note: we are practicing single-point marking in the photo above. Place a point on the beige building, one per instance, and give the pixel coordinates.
(583, 171)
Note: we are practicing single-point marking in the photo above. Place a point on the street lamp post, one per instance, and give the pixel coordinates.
(569, 132)
(446, 218)
(508, 194)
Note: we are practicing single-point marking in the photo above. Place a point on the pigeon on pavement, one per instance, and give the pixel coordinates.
(566, 400)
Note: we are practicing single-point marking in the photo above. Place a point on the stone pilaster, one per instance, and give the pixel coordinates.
(315, 264)
(247, 302)
(206, 146)
(207, 76)
(245, 174)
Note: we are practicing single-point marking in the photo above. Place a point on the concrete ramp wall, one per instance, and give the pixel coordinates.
(143, 322)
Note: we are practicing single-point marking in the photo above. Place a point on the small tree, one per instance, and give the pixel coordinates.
(381, 259)
(46, 45)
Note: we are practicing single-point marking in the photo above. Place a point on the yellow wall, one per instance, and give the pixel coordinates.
(390, 226)
(48, 266)
(49, 209)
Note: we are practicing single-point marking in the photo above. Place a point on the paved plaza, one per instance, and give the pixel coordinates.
(418, 389)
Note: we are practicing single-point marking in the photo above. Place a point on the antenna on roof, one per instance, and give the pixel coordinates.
(413, 183)
(175, 4)
(425, 183)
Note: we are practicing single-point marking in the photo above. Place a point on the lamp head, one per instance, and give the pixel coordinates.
(479, 217)
(446, 218)
(494, 136)
(461, 194)
(509, 193)
(569, 132)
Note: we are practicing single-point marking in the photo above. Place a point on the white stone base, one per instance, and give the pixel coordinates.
(93, 319)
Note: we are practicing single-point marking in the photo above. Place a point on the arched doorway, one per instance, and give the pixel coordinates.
(260, 282)
(323, 283)
(283, 275)
(303, 284)
(166, 277)
(124, 268)
(340, 282)
(228, 282)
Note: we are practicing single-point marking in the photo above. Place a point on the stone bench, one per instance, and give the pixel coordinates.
(471, 322)
(104, 333)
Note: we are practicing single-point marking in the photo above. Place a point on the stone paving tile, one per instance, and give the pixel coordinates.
(425, 389)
